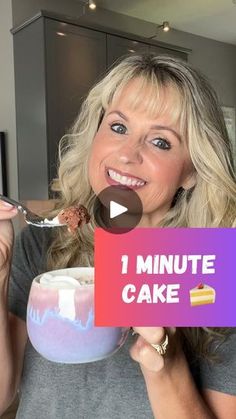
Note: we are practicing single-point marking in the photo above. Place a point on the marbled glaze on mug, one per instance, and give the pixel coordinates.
(60, 322)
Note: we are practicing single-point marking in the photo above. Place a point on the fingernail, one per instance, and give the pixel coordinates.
(6, 204)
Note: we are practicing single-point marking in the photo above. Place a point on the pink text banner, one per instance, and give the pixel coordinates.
(165, 277)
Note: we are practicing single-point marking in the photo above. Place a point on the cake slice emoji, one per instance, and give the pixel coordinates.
(202, 294)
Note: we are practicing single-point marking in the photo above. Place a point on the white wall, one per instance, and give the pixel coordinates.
(7, 95)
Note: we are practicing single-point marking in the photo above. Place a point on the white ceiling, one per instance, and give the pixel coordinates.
(215, 19)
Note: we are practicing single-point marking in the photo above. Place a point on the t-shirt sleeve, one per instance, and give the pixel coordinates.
(221, 375)
(27, 262)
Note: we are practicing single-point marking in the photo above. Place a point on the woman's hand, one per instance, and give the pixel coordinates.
(169, 382)
(143, 352)
(7, 212)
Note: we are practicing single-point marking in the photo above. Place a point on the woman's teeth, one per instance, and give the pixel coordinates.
(124, 180)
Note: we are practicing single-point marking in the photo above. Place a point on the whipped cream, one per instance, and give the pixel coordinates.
(53, 221)
(58, 281)
(86, 280)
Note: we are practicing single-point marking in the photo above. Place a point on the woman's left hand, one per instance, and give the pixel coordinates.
(143, 352)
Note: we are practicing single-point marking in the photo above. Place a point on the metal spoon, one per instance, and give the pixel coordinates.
(30, 217)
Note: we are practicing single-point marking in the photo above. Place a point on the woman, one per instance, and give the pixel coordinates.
(154, 124)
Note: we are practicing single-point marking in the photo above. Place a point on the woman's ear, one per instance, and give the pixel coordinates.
(190, 181)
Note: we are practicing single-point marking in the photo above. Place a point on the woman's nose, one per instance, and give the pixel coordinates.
(130, 153)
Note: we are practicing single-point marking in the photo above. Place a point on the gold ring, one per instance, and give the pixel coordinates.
(161, 348)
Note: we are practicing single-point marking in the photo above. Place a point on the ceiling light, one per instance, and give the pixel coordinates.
(92, 5)
(165, 27)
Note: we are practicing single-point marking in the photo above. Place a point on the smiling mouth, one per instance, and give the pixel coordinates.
(116, 178)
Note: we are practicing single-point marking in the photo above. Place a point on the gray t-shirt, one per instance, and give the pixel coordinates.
(111, 388)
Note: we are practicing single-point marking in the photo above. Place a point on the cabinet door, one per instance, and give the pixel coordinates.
(166, 51)
(31, 120)
(75, 60)
(117, 47)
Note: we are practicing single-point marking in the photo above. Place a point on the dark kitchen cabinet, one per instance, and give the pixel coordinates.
(56, 63)
(118, 47)
(166, 51)
(55, 66)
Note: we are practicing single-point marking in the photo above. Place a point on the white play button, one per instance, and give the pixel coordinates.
(116, 209)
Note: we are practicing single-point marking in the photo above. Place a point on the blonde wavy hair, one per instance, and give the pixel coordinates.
(210, 203)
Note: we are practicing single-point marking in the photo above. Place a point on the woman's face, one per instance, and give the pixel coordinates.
(147, 154)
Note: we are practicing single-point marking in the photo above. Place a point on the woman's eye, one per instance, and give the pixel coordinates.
(161, 143)
(119, 128)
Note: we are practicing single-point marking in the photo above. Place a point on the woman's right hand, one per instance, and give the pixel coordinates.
(7, 212)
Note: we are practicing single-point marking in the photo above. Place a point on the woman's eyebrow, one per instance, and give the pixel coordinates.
(162, 127)
(120, 114)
